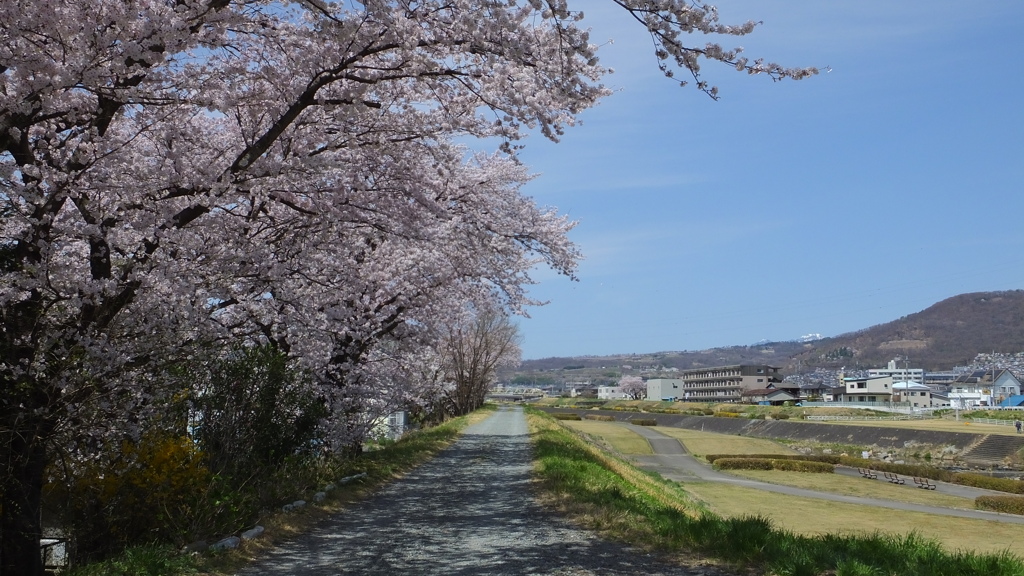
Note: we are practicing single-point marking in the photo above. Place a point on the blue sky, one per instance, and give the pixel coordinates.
(824, 206)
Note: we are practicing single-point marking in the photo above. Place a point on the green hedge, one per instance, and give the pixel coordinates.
(774, 464)
(600, 417)
(662, 410)
(989, 483)
(1004, 504)
(643, 422)
(566, 416)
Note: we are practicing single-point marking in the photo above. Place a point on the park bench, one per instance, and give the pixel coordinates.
(867, 473)
(893, 478)
(924, 483)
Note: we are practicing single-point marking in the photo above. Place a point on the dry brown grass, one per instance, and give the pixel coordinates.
(860, 487)
(700, 443)
(812, 516)
(620, 438)
(940, 425)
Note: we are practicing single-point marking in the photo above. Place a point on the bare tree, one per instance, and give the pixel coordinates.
(472, 353)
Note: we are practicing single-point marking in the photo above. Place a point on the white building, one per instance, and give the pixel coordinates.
(665, 389)
(914, 393)
(898, 374)
(866, 390)
(611, 393)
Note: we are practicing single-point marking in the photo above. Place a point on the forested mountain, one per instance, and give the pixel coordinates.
(947, 334)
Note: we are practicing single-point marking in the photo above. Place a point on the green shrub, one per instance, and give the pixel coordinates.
(744, 463)
(804, 466)
(1004, 504)
(600, 417)
(781, 416)
(989, 483)
(566, 416)
(644, 422)
(149, 560)
(257, 411)
(825, 458)
(735, 463)
(727, 414)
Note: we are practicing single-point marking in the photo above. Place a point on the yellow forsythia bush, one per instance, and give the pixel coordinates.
(141, 492)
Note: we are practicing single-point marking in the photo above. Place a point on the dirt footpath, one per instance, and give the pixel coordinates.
(468, 511)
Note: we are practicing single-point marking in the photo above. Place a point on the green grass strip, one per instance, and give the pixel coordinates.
(589, 485)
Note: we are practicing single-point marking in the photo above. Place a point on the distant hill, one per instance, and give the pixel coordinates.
(947, 334)
(950, 333)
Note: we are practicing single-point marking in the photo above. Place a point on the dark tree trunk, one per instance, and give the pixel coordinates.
(20, 525)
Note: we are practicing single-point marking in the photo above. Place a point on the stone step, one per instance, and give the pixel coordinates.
(994, 449)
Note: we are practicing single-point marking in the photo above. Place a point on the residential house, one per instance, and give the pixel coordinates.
(866, 390)
(915, 394)
(815, 391)
(983, 388)
(770, 396)
(941, 400)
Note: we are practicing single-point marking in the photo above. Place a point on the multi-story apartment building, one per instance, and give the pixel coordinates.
(718, 384)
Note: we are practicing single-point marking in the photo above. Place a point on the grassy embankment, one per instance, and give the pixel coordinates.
(812, 516)
(607, 494)
(381, 466)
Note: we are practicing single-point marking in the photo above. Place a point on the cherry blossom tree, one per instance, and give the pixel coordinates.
(179, 171)
(634, 387)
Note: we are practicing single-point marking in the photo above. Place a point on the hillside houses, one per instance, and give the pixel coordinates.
(984, 388)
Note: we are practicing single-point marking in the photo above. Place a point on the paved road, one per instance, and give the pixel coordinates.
(672, 461)
(468, 511)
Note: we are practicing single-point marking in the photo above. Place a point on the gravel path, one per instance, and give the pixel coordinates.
(468, 511)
